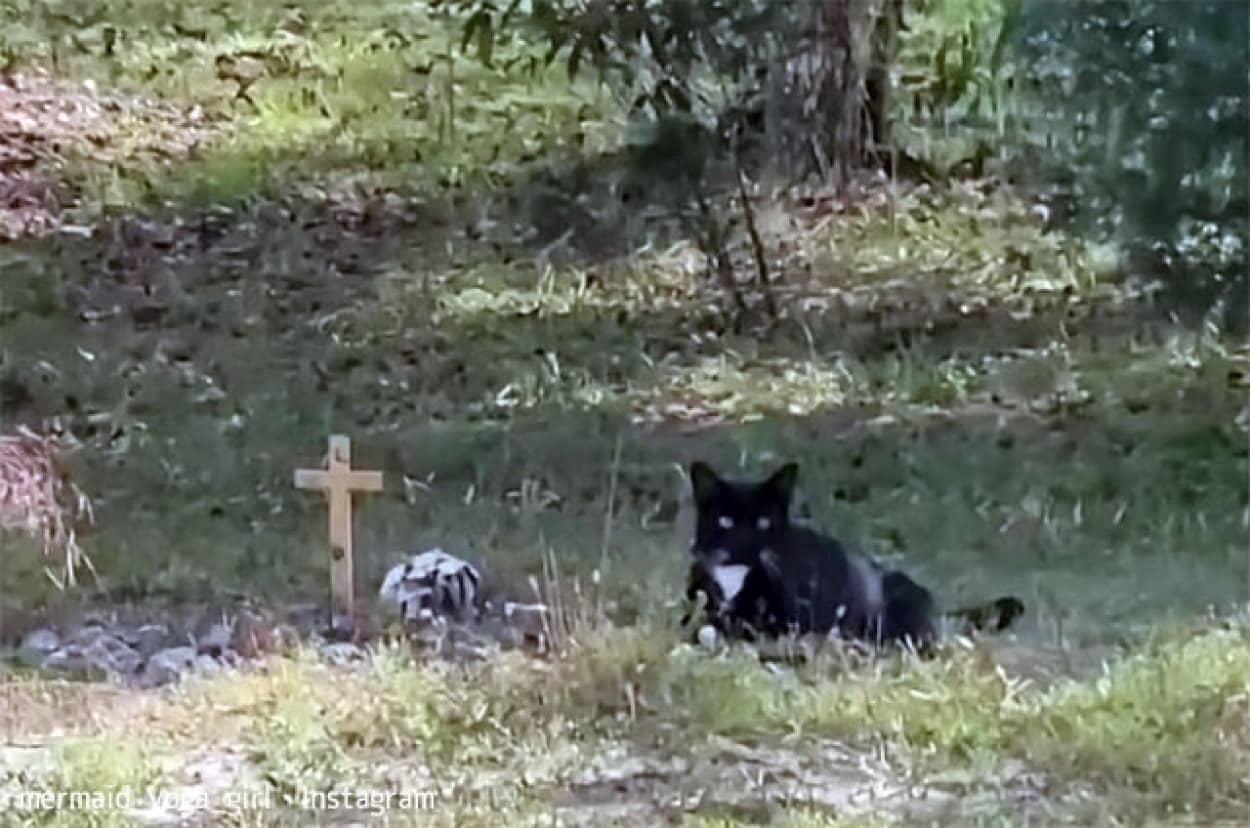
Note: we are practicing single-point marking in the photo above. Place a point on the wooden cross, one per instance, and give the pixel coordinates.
(338, 481)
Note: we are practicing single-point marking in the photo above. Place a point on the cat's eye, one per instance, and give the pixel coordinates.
(725, 522)
(763, 524)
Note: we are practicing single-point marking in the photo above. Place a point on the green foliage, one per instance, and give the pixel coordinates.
(1145, 118)
(662, 51)
(952, 62)
(803, 78)
(255, 97)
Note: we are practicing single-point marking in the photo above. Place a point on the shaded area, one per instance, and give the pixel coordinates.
(467, 324)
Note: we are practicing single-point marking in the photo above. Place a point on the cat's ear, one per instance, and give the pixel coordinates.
(703, 482)
(782, 483)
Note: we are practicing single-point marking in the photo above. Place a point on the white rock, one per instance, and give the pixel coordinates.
(433, 581)
(40, 641)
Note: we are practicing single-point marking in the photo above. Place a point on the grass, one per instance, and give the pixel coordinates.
(376, 245)
(1160, 733)
(332, 89)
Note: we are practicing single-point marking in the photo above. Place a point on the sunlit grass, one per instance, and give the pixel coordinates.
(1162, 731)
(326, 89)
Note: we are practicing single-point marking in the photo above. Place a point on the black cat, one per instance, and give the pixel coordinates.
(761, 575)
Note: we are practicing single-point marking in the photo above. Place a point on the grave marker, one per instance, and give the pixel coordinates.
(338, 481)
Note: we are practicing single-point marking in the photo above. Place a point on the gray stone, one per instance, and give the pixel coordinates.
(341, 652)
(169, 665)
(98, 620)
(86, 636)
(113, 656)
(216, 640)
(148, 639)
(40, 641)
(532, 621)
(68, 659)
(105, 654)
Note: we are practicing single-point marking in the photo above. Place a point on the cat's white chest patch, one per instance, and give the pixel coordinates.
(730, 579)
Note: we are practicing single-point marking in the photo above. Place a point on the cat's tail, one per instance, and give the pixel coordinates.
(995, 616)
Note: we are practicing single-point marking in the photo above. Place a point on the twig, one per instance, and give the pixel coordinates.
(607, 518)
(451, 94)
(761, 259)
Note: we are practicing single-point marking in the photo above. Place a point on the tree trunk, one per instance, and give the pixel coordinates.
(828, 98)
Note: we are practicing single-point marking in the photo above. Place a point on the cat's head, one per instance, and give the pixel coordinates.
(736, 520)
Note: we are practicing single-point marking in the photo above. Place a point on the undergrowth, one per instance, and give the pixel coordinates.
(1156, 732)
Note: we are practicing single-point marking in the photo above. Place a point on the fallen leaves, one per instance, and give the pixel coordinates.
(47, 124)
